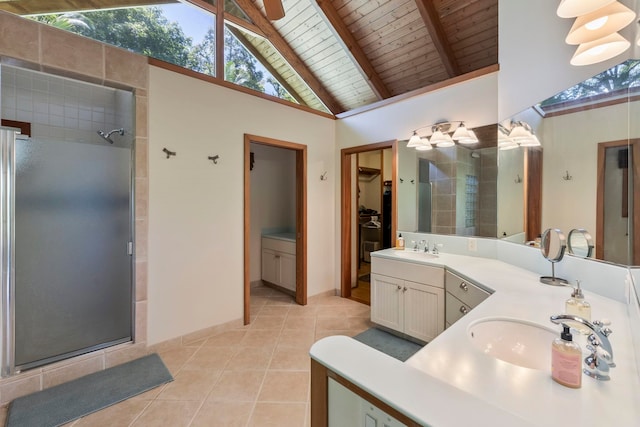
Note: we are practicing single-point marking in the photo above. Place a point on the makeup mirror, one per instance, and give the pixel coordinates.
(580, 243)
(553, 245)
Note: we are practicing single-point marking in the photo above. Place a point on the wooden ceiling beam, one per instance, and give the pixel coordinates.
(30, 7)
(290, 56)
(439, 37)
(359, 57)
(252, 49)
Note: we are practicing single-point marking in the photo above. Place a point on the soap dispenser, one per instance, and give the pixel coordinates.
(577, 306)
(400, 242)
(566, 360)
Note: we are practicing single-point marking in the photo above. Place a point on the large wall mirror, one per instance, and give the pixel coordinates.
(582, 176)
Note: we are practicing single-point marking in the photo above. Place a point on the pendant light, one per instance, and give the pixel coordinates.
(414, 141)
(461, 132)
(471, 139)
(425, 145)
(600, 50)
(600, 23)
(441, 140)
(573, 8)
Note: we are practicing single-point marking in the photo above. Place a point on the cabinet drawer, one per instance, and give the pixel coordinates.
(433, 276)
(455, 309)
(465, 291)
(279, 245)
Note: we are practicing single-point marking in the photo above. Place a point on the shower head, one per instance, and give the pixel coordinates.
(107, 136)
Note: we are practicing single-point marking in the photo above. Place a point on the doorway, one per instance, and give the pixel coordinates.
(299, 235)
(617, 216)
(366, 229)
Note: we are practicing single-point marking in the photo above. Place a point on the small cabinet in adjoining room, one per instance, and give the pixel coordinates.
(279, 261)
(462, 297)
(408, 298)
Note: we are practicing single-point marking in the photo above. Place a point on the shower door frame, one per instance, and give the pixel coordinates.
(7, 259)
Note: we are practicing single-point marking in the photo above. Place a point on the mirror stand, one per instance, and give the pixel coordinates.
(552, 246)
(553, 280)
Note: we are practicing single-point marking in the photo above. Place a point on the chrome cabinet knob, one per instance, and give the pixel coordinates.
(464, 287)
(464, 309)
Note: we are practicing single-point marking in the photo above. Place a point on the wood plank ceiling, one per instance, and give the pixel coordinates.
(352, 53)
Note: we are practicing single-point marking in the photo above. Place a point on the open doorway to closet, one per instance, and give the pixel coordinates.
(275, 217)
(369, 211)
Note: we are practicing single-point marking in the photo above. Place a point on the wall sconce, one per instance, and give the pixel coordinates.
(440, 136)
(519, 134)
(596, 28)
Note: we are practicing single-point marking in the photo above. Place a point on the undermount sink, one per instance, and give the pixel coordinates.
(408, 253)
(514, 341)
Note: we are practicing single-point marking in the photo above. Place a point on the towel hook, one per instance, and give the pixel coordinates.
(214, 159)
(168, 153)
(567, 177)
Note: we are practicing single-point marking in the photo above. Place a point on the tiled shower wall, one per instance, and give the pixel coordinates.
(30, 45)
(64, 109)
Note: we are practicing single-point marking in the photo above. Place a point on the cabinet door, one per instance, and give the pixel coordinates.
(269, 266)
(423, 310)
(386, 301)
(287, 271)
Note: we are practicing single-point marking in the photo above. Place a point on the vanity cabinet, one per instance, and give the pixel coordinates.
(462, 296)
(408, 298)
(279, 262)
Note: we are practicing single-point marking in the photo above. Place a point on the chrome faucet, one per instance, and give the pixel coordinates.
(598, 363)
(435, 249)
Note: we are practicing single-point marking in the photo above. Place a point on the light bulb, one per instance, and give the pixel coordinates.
(596, 23)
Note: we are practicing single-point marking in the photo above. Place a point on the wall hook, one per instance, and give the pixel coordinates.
(401, 180)
(323, 177)
(567, 177)
(518, 180)
(214, 159)
(168, 153)
(413, 181)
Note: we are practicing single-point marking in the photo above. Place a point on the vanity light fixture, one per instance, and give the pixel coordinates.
(440, 136)
(573, 8)
(600, 23)
(520, 134)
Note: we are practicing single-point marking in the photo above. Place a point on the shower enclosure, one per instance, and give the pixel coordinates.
(66, 244)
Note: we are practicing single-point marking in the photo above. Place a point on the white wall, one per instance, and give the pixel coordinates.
(196, 207)
(273, 197)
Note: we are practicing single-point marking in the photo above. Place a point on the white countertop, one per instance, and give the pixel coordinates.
(530, 396)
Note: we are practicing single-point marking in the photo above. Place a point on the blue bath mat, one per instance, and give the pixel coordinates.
(69, 401)
(388, 343)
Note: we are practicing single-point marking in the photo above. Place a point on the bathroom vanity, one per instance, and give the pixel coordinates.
(279, 260)
(452, 381)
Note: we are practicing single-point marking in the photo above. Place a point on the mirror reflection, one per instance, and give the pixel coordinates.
(580, 243)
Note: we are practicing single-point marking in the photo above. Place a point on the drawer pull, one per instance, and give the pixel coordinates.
(399, 287)
(463, 309)
(464, 287)
(405, 289)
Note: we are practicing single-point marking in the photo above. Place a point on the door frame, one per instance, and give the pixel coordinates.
(346, 213)
(634, 146)
(301, 217)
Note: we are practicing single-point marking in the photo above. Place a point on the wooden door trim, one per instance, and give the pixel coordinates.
(634, 145)
(301, 217)
(345, 205)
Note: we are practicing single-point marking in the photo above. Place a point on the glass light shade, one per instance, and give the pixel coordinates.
(425, 145)
(573, 8)
(600, 50)
(533, 141)
(442, 140)
(461, 132)
(507, 145)
(471, 139)
(414, 141)
(519, 133)
(601, 23)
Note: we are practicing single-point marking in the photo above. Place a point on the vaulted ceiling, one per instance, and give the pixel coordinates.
(352, 53)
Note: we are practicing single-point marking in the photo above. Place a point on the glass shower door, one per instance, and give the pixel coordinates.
(73, 268)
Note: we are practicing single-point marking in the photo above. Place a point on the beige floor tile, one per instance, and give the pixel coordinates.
(324, 334)
(164, 413)
(278, 415)
(300, 322)
(280, 300)
(303, 310)
(239, 386)
(267, 322)
(260, 338)
(229, 338)
(332, 323)
(360, 323)
(263, 291)
(285, 386)
(297, 338)
(332, 311)
(223, 414)
(290, 358)
(253, 358)
(211, 358)
(120, 414)
(275, 310)
(175, 358)
(190, 384)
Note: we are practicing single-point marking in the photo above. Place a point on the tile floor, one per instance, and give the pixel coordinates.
(257, 375)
